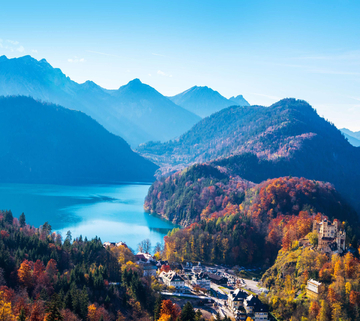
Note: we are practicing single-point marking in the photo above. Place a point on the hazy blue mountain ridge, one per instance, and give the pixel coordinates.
(136, 112)
(352, 137)
(204, 101)
(48, 144)
(239, 100)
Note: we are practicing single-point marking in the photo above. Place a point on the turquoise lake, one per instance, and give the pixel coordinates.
(112, 212)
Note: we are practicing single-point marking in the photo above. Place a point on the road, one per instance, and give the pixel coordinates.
(252, 286)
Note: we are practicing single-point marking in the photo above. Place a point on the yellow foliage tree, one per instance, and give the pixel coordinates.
(92, 312)
(165, 317)
(123, 254)
(348, 287)
(5, 309)
(336, 311)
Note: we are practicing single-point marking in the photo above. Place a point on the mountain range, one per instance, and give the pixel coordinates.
(352, 137)
(204, 101)
(136, 112)
(48, 144)
(258, 143)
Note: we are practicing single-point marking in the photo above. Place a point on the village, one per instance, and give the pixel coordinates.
(212, 289)
(220, 290)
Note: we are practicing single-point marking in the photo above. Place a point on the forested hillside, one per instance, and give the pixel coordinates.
(183, 196)
(258, 143)
(43, 278)
(43, 143)
(239, 223)
(235, 223)
(339, 297)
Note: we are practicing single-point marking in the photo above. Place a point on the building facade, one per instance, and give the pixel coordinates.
(200, 279)
(255, 309)
(236, 299)
(173, 279)
(331, 238)
(313, 289)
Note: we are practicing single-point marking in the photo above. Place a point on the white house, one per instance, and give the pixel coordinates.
(255, 309)
(200, 279)
(173, 279)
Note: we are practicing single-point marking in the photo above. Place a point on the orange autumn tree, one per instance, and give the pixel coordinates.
(37, 312)
(39, 269)
(91, 312)
(314, 310)
(169, 310)
(51, 269)
(25, 273)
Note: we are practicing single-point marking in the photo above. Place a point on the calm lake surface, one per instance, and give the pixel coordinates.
(112, 212)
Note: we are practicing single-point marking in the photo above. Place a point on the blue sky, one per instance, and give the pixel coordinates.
(265, 50)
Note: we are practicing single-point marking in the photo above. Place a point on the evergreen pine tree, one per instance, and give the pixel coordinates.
(8, 217)
(84, 302)
(22, 220)
(157, 308)
(187, 312)
(22, 315)
(53, 311)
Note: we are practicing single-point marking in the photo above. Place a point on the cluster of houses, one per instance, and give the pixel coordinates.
(244, 305)
(114, 244)
(190, 276)
(182, 277)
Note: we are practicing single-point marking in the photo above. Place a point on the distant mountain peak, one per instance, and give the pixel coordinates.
(26, 58)
(352, 137)
(135, 82)
(237, 97)
(204, 101)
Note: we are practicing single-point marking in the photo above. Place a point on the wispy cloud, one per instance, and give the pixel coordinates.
(161, 73)
(352, 97)
(312, 68)
(76, 60)
(333, 72)
(103, 53)
(267, 96)
(34, 51)
(346, 55)
(13, 42)
(20, 49)
(11, 45)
